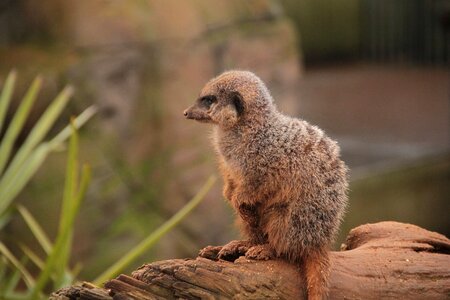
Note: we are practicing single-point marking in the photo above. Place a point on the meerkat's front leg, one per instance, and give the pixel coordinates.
(260, 252)
(229, 183)
(230, 251)
(228, 189)
(250, 226)
(234, 249)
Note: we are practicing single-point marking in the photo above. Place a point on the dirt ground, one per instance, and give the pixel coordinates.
(381, 115)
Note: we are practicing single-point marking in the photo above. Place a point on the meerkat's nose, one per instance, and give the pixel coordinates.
(185, 113)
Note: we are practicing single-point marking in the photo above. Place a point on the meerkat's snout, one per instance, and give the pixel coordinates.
(198, 113)
(192, 113)
(188, 113)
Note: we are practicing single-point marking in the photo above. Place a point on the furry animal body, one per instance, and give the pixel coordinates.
(283, 177)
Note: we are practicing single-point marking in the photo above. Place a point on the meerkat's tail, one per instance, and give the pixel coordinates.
(317, 267)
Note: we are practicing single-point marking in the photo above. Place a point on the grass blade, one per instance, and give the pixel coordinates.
(15, 177)
(67, 278)
(12, 282)
(5, 97)
(4, 219)
(71, 178)
(78, 198)
(63, 235)
(11, 188)
(3, 267)
(39, 130)
(14, 279)
(35, 228)
(78, 122)
(16, 296)
(28, 279)
(17, 122)
(69, 201)
(32, 256)
(148, 242)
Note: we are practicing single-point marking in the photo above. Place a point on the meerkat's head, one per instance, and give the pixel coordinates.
(231, 98)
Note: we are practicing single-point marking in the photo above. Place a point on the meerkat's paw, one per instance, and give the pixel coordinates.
(210, 252)
(233, 250)
(260, 252)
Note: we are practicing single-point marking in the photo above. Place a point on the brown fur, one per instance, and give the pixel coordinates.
(283, 176)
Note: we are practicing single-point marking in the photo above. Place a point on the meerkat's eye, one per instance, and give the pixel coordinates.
(208, 100)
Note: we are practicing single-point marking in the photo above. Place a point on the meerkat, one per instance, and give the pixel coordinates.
(283, 177)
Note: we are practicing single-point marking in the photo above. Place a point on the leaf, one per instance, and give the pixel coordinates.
(10, 187)
(68, 203)
(3, 267)
(71, 178)
(148, 242)
(4, 219)
(5, 97)
(39, 130)
(17, 122)
(35, 228)
(28, 279)
(65, 230)
(78, 122)
(78, 198)
(12, 182)
(67, 278)
(32, 256)
(14, 279)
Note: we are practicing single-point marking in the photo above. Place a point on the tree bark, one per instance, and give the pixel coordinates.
(386, 260)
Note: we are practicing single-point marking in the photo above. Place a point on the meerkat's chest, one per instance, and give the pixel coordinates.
(254, 159)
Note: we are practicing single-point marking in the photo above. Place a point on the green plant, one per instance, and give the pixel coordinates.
(55, 267)
(32, 153)
(15, 173)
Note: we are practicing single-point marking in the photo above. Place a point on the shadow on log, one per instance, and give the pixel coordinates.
(386, 260)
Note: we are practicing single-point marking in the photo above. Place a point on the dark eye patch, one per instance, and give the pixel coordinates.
(208, 100)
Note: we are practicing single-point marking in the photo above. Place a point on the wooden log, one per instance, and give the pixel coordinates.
(386, 260)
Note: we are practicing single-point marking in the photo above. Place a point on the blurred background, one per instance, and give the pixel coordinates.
(374, 74)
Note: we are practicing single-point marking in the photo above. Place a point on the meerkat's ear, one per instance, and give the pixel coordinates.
(238, 102)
